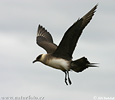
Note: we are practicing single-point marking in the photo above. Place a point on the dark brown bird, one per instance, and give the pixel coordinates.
(60, 57)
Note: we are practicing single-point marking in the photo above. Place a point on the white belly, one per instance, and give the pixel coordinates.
(58, 64)
(55, 62)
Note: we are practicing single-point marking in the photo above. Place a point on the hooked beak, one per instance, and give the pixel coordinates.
(92, 65)
(34, 61)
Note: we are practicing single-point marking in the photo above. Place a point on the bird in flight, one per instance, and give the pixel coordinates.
(60, 57)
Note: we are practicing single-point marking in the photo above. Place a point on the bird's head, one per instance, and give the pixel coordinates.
(38, 58)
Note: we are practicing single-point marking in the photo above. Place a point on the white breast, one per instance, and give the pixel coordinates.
(57, 63)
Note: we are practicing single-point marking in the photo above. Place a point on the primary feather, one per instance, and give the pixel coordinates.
(45, 40)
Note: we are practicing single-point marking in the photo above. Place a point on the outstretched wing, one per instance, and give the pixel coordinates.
(70, 38)
(44, 39)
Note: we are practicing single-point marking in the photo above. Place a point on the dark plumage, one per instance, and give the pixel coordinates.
(60, 57)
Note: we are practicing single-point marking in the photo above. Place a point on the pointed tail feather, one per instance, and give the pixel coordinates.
(92, 65)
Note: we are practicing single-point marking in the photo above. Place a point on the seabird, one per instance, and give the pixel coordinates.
(60, 57)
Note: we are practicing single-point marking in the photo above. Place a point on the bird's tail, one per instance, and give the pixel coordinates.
(81, 64)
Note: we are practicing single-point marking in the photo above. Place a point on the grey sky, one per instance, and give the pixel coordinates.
(19, 20)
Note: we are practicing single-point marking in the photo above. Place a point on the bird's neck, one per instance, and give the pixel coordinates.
(43, 58)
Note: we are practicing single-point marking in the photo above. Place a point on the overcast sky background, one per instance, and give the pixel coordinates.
(19, 20)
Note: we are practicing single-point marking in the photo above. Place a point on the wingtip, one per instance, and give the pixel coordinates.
(95, 7)
(97, 4)
(39, 26)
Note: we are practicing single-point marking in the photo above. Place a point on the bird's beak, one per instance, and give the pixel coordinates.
(34, 61)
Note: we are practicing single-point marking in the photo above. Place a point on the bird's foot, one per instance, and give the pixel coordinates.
(66, 81)
(69, 81)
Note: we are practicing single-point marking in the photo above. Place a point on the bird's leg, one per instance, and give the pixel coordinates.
(66, 78)
(69, 78)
